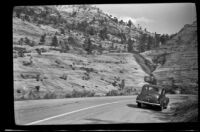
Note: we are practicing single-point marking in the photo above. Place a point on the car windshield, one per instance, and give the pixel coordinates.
(154, 89)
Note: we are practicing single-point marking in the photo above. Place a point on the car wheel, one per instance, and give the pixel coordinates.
(139, 105)
(161, 107)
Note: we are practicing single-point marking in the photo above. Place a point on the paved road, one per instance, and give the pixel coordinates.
(93, 110)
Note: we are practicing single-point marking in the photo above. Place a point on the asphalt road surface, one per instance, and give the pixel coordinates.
(93, 110)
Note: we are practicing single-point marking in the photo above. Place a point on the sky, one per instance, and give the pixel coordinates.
(165, 18)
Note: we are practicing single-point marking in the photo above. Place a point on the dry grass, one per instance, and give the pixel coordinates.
(47, 66)
(28, 95)
(186, 111)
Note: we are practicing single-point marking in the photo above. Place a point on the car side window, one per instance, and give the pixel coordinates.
(160, 91)
(144, 88)
(151, 89)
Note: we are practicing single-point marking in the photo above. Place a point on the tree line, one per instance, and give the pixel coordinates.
(145, 42)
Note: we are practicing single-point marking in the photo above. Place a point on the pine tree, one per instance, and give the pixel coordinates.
(123, 37)
(142, 42)
(93, 19)
(88, 46)
(130, 45)
(112, 46)
(42, 39)
(115, 20)
(122, 84)
(62, 31)
(91, 31)
(121, 22)
(129, 23)
(54, 41)
(27, 41)
(157, 40)
(149, 42)
(103, 33)
(21, 41)
(100, 48)
(64, 46)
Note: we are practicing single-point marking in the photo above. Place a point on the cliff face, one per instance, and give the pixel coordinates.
(181, 58)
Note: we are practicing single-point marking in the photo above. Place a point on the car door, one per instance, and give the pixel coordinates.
(163, 98)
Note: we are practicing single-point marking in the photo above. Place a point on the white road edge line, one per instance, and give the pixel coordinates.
(64, 114)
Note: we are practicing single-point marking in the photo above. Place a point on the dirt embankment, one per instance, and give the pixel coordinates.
(146, 65)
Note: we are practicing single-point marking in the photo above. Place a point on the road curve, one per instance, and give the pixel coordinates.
(93, 110)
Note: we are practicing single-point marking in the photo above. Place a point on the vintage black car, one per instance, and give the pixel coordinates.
(153, 95)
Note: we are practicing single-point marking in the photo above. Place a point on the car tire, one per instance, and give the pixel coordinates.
(161, 107)
(139, 105)
(165, 107)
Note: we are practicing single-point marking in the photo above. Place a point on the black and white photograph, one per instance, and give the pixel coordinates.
(105, 64)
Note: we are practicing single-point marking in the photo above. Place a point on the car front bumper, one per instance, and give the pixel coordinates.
(148, 103)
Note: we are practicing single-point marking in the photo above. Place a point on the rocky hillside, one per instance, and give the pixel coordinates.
(43, 70)
(177, 60)
(61, 73)
(77, 21)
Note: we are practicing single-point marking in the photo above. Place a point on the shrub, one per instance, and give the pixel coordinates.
(32, 43)
(88, 46)
(21, 53)
(64, 76)
(86, 76)
(91, 31)
(38, 51)
(54, 41)
(38, 77)
(122, 85)
(37, 88)
(188, 89)
(160, 59)
(83, 93)
(88, 93)
(68, 95)
(62, 31)
(50, 95)
(64, 46)
(43, 50)
(89, 70)
(27, 41)
(71, 40)
(130, 45)
(27, 63)
(186, 111)
(103, 33)
(42, 39)
(35, 94)
(21, 41)
(113, 93)
(170, 90)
